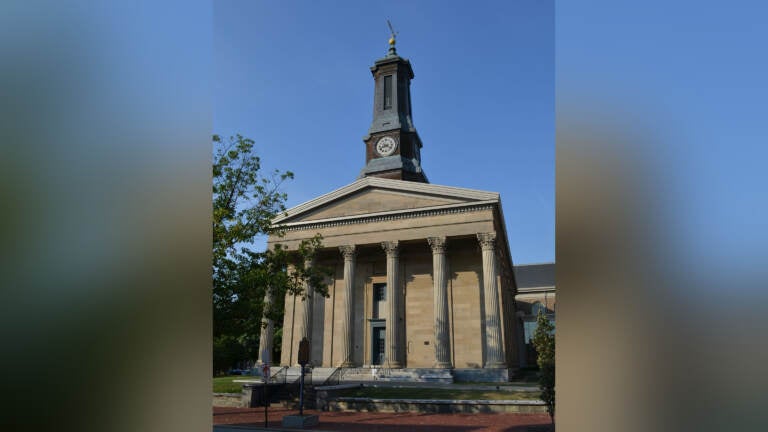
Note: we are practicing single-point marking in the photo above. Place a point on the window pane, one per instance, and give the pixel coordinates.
(536, 308)
(379, 296)
(388, 92)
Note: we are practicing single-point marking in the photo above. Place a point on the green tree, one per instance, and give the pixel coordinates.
(544, 341)
(244, 203)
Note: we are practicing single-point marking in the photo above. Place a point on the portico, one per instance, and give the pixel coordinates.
(431, 272)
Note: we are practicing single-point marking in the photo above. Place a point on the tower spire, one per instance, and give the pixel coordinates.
(393, 34)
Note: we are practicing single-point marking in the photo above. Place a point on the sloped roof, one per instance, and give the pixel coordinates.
(535, 275)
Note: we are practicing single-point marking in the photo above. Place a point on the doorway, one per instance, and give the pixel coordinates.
(378, 341)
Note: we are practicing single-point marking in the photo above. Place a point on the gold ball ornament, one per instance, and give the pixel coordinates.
(392, 41)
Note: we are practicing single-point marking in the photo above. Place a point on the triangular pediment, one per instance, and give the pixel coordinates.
(373, 195)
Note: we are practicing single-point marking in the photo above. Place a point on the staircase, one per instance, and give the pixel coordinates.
(354, 375)
(432, 375)
(337, 376)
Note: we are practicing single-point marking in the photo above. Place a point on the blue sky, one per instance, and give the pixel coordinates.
(687, 82)
(294, 77)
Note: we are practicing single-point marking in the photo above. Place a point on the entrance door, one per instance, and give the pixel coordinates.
(377, 348)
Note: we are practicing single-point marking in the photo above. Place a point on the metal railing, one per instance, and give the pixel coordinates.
(335, 377)
(280, 377)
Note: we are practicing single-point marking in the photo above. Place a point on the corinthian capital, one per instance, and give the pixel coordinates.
(437, 244)
(348, 251)
(392, 248)
(487, 240)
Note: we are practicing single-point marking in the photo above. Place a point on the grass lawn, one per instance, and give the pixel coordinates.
(225, 385)
(436, 393)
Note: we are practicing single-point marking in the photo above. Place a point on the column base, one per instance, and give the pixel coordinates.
(393, 365)
(347, 364)
(496, 365)
(443, 365)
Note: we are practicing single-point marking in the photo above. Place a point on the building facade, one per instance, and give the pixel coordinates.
(422, 274)
(535, 293)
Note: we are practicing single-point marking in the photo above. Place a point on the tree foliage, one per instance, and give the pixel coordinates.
(245, 201)
(544, 341)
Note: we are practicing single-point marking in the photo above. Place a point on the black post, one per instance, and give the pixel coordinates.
(303, 360)
(266, 403)
(265, 370)
(301, 392)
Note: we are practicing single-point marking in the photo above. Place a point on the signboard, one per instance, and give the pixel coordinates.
(304, 351)
(265, 364)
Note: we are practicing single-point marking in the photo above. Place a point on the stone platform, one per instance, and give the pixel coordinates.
(300, 421)
(436, 405)
(368, 374)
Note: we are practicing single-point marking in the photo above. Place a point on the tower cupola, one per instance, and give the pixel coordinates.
(393, 147)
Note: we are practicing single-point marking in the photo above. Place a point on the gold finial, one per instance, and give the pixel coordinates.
(392, 31)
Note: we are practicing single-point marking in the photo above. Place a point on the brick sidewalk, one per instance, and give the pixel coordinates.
(389, 422)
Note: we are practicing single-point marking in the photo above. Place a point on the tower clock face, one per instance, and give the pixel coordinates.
(386, 146)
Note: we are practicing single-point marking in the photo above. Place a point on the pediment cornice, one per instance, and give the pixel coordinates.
(469, 198)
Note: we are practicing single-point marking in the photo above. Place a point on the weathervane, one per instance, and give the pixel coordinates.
(392, 38)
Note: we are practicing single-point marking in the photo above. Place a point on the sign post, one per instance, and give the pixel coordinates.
(303, 360)
(301, 421)
(265, 376)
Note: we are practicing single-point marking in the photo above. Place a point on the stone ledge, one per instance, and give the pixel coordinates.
(337, 387)
(300, 422)
(436, 406)
(233, 400)
(481, 375)
(448, 401)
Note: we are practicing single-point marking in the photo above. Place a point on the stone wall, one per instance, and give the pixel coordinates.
(233, 400)
(436, 406)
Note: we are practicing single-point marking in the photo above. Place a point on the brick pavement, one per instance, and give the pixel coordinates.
(387, 422)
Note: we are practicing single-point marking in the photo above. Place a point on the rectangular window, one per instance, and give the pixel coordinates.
(379, 297)
(529, 327)
(388, 92)
(381, 291)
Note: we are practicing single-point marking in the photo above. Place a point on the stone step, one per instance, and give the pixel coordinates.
(442, 376)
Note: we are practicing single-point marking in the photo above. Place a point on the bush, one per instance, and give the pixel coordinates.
(544, 341)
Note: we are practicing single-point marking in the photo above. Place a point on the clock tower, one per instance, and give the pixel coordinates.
(392, 145)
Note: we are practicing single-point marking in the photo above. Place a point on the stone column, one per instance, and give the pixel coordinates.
(347, 325)
(440, 279)
(494, 352)
(267, 331)
(392, 335)
(306, 316)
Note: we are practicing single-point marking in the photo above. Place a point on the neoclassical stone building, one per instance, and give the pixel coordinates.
(422, 273)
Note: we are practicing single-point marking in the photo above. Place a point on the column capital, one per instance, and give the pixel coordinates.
(487, 240)
(348, 251)
(392, 248)
(438, 244)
